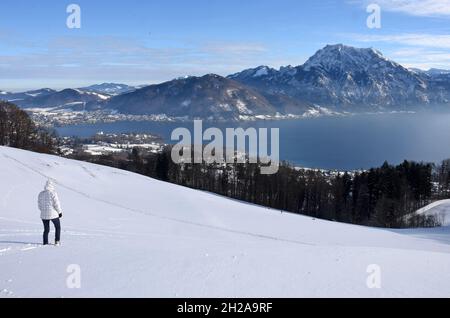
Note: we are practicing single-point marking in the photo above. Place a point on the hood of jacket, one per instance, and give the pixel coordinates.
(50, 185)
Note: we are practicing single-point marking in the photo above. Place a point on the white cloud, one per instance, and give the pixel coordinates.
(425, 8)
(89, 59)
(422, 51)
(425, 40)
(421, 58)
(234, 48)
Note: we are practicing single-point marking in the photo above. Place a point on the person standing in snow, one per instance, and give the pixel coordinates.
(50, 208)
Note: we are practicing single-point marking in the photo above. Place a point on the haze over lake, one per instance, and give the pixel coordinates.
(353, 142)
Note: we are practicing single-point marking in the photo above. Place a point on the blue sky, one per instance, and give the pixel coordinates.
(150, 41)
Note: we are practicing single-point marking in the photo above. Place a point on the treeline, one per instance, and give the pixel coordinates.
(383, 197)
(442, 179)
(17, 130)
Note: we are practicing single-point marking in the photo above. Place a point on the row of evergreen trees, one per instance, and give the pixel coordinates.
(383, 197)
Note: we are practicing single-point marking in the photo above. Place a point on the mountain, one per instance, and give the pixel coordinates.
(14, 97)
(209, 96)
(432, 72)
(435, 71)
(133, 236)
(345, 78)
(439, 84)
(338, 78)
(109, 88)
(68, 99)
(269, 83)
(254, 73)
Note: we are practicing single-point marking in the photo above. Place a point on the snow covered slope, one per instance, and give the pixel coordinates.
(440, 209)
(134, 236)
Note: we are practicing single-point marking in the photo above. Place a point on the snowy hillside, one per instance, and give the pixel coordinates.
(134, 236)
(439, 209)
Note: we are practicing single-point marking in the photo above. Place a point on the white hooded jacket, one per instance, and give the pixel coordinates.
(48, 202)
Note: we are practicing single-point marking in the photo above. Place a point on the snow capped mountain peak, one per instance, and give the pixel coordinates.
(333, 57)
(40, 92)
(338, 58)
(17, 97)
(109, 88)
(185, 77)
(212, 75)
(256, 72)
(261, 71)
(341, 76)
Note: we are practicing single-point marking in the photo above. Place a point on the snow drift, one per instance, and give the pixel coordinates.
(133, 236)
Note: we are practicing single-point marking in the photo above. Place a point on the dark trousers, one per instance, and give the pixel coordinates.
(57, 225)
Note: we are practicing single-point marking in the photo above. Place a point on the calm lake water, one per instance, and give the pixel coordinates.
(353, 142)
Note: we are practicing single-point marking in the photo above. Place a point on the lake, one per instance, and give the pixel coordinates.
(353, 142)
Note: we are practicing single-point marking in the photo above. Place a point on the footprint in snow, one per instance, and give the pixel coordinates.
(5, 250)
(29, 248)
(7, 292)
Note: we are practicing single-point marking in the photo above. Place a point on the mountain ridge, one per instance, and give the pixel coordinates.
(345, 78)
(208, 96)
(337, 78)
(112, 89)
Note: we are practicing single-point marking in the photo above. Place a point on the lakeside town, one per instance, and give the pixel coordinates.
(108, 143)
(50, 117)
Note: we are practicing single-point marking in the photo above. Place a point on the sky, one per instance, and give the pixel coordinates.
(151, 41)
